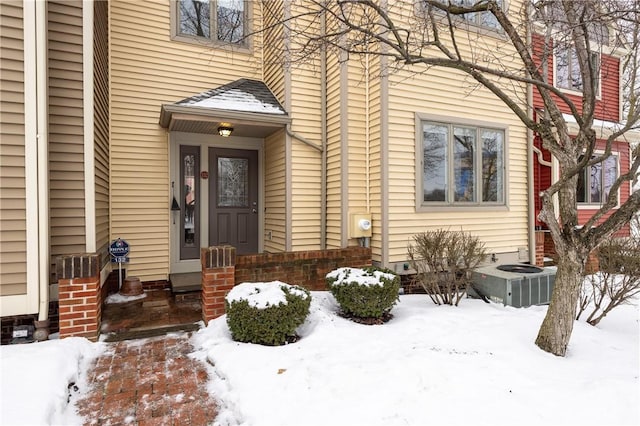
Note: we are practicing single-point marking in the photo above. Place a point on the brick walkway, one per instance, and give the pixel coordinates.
(148, 382)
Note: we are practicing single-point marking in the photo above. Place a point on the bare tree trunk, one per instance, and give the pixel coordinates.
(557, 326)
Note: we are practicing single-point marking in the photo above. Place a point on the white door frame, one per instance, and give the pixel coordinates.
(205, 142)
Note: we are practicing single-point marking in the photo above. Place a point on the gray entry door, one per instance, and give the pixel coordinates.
(233, 199)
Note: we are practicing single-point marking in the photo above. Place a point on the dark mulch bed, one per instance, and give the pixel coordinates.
(292, 339)
(368, 320)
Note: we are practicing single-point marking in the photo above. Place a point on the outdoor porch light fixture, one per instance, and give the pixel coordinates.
(225, 131)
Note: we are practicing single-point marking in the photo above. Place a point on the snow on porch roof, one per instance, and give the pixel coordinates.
(247, 105)
(241, 95)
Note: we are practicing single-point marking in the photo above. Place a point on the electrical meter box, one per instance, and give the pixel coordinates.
(360, 225)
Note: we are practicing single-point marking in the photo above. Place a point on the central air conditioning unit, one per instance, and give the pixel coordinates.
(517, 285)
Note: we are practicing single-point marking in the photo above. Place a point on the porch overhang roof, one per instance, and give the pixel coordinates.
(248, 106)
(192, 119)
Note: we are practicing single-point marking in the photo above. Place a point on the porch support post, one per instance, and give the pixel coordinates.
(218, 277)
(79, 295)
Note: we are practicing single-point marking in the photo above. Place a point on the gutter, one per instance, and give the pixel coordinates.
(303, 140)
(170, 112)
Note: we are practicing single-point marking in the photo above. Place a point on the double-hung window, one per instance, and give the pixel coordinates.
(211, 21)
(461, 164)
(595, 182)
(568, 70)
(481, 19)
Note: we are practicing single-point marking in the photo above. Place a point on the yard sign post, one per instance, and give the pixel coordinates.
(119, 249)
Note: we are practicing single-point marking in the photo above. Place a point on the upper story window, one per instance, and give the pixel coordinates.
(462, 165)
(595, 182)
(218, 21)
(568, 70)
(481, 19)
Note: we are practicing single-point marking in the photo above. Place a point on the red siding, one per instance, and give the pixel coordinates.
(541, 178)
(607, 108)
(622, 148)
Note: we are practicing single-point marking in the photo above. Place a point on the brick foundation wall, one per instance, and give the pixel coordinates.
(80, 295)
(111, 285)
(156, 285)
(305, 268)
(550, 247)
(593, 264)
(540, 247)
(9, 322)
(222, 269)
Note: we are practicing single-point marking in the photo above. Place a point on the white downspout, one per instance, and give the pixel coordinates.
(540, 157)
(367, 134)
(323, 137)
(530, 174)
(42, 125)
(555, 176)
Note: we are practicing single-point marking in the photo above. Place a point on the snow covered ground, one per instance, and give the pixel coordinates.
(473, 364)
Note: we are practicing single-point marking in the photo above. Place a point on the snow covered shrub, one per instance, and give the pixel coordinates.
(617, 282)
(367, 293)
(443, 261)
(266, 313)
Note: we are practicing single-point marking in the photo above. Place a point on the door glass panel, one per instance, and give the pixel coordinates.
(189, 196)
(233, 182)
(189, 200)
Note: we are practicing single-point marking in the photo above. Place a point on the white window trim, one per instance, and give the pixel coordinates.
(593, 206)
(424, 206)
(246, 45)
(571, 91)
(497, 32)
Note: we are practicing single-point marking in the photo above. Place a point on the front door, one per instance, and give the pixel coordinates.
(233, 199)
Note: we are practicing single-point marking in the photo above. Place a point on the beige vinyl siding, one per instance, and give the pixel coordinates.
(13, 267)
(101, 125)
(148, 69)
(358, 185)
(375, 179)
(357, 158)
(273, 61)
(306, 164)
(334, 169)
(305, 169)
(487, 223)
(66, 143)
(448, 93)
(275, 193)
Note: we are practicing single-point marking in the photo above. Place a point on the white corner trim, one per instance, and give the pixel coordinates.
(22, 304)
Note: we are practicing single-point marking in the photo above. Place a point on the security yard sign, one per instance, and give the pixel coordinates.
(119, 249)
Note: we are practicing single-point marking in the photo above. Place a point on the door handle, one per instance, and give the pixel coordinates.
(254, 210)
